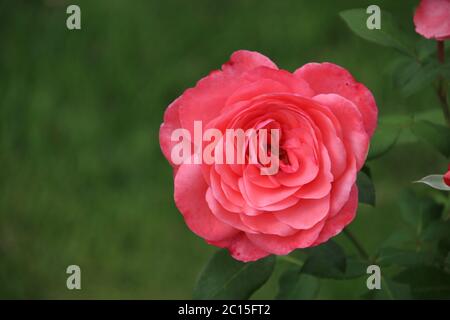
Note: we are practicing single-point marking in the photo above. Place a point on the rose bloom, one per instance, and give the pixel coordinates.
(325, 119)
(447, 177)
(432, 19)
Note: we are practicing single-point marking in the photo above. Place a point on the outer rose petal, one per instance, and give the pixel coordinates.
(171, 122)
(342, 188)
(190, 191)
(351, 123)
(332, 140)
(432, 19)
(330, 78)
(337, 223)
(266, 80)
(205, 101)
(242, 249)
(244, 60)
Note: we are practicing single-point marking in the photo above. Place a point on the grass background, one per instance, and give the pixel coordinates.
(82, 178)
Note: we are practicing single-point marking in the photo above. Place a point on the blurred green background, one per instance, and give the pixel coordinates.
(82, 177)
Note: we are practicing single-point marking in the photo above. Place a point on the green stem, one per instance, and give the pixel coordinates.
(291, 260)
(357, 244)
(442, 85)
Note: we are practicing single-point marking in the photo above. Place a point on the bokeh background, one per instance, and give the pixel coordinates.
(82, 178)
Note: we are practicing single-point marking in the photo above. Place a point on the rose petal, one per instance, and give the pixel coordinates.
(260, 197)
(330, 78)
(306, 213)
(342, 187)
(268, 223)
(351, 123)
(242, 249)
(332, 139)
(284, 245)
(432, 19)
(205, 101)
(190, 200)
(334, 225)
(245, 60)
(171, 122)
(222, 214)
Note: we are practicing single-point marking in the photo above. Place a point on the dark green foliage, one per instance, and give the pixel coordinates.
(366, 189)
(226, 278)
(295, 285)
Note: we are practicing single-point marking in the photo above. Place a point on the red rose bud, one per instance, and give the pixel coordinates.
(447, 176)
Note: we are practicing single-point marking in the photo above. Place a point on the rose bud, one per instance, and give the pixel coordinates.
(447, 177)
(432, 19)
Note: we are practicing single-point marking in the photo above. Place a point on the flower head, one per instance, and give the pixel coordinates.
(325, 120)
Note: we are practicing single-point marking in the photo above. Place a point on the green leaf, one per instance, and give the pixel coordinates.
(366, 189)
(444, 246)
(355, 268)
(435, 134)
(445, 71)
(226, 278)
(404, 70)
(411, 75)
(384, 139)
(447, 261)
(436, 181)
(418, 211)
(426, 282)
(404, 258)
(325, 261)
(418, 76)
(407, 136)
(438, 235)
(391, 290)
(366, 169)
(425, 48)
(400, 237)
(294, 285)
(389, 35)
(387, 134)
(436, 231)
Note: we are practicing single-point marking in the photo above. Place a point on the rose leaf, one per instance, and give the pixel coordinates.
(226, 278)
(295, 285)
(435, 134)
(366, 189)
(325, 261)
(389, 34)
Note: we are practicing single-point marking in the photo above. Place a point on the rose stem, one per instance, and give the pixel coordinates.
(357, 245)
(442, 87)
(291, 260)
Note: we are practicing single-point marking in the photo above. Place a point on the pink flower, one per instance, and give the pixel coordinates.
(432, 19)
(447, 176)
(325, 119)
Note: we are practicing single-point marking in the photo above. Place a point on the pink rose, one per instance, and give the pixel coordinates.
(447, 176)
(325, 119)
(432, 19)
